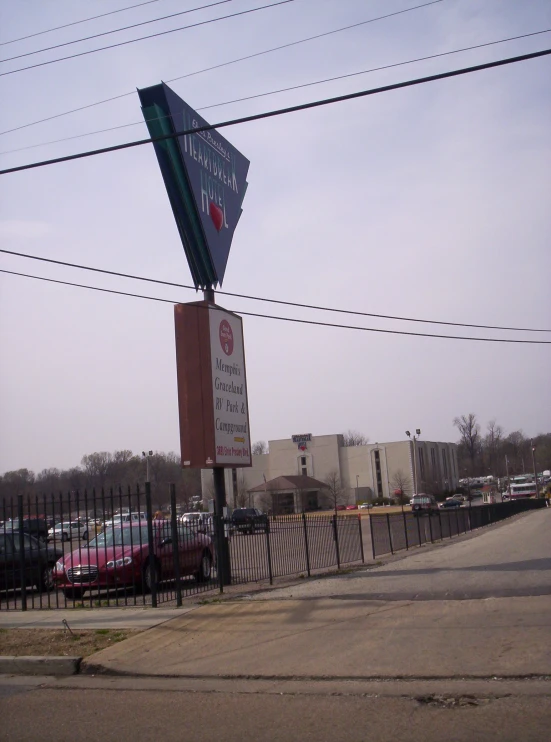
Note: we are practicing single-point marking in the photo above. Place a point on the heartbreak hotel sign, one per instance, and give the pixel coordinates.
(206, 180)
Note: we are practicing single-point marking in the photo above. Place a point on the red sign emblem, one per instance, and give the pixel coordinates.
(226, 337)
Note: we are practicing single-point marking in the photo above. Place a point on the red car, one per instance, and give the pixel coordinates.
(351, 507)
(119, 557)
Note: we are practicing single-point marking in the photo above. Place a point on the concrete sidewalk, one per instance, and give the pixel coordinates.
(475, 609)
(91, 618)
(336, 638)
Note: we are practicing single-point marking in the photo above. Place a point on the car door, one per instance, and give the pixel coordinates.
(9, 566)
(164, 548)
(31, 557)
(189, 548)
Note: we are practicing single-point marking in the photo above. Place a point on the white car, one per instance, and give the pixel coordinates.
(365, 506)
(68, 530)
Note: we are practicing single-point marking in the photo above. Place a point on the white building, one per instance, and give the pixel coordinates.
(365, 473)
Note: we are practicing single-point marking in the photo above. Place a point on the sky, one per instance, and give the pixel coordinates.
(430, 202)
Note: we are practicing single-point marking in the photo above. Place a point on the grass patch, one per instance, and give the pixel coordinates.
(59, 642)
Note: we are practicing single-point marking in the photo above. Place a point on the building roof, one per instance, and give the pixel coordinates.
(291, 482)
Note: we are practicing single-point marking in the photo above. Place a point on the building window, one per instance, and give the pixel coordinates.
(422, 464)
(303, 460)
(378, 473)
(444, 463)
(304, 471)
(433, 460)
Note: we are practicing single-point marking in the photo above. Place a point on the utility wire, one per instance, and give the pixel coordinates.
(150, 36)
(281, 90)
(286, 319)
(282, 111)
(76, 23)
(115, 30)
(223, 64)
(262, 298)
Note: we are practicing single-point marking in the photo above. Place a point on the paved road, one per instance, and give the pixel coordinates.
(124, 710)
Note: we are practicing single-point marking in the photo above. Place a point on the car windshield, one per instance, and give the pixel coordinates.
(121, 536)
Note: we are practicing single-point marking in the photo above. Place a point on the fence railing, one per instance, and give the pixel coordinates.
(113, 548)
(394, 532)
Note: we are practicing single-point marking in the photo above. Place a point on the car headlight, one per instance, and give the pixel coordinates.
(118, 562)
(60, 567)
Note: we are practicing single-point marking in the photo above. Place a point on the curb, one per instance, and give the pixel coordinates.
(39, 665)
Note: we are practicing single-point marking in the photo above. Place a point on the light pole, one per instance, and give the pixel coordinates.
(534, 467)
(417, 434)
(146, 455)
(357, 484)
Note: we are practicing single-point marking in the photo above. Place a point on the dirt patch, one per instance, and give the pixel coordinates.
(59, 642)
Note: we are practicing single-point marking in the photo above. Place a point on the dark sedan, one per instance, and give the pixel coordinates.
(450, 504)
(36, 561)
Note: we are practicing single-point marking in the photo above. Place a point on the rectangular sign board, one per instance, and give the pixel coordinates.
(212, 387)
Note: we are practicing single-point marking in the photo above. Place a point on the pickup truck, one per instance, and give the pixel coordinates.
(249, 520)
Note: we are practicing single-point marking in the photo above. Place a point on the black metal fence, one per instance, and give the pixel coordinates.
(114, 548)
(394, 532)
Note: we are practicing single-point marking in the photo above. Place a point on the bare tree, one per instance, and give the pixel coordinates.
(354, 438)
(402, 483)
(492, 444)
(259, 447)
(96, 467)
(335, 493)
(469, 429)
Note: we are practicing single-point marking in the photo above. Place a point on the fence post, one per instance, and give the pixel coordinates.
(371, 532)
(269, 551)
(336, 537)
(151, 545)
(306, 543)
(417, 518)
(175, 544)
(22, 575)
(389, 533)
(429, 516)
(405, 530)
(361, 537)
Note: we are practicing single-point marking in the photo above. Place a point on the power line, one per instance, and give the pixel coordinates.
(76, 23)
(282, 90)
(224, 64)
(262, 298)
(285, 319)
(282, 111)
(115, 30)
(150, 36)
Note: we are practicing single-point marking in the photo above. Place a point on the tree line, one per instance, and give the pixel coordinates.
(490, 451)
(105, 470)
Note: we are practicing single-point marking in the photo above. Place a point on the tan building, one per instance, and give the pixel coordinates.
(352, 473)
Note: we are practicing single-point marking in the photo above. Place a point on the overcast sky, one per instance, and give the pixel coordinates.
(430, 202)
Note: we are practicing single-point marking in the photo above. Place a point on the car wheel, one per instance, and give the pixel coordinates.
(74, 593)
(151, 575)
(205, 568)
(85, 536)
(46, 580)
(64, 536)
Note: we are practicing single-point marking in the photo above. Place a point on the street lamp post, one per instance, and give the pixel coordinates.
(146, 455)
(417, 434)
(534, 467)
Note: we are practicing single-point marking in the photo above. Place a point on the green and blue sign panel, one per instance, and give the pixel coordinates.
(206, 180)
